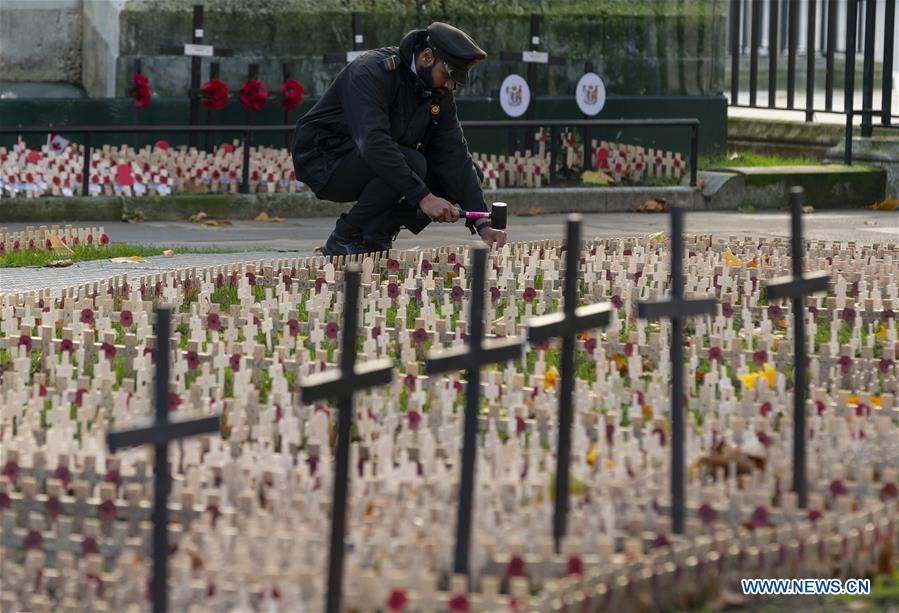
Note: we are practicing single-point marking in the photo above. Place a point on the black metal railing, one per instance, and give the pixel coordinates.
(554, 126)
(831, 27)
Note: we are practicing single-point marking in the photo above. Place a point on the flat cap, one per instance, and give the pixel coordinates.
(457, 48)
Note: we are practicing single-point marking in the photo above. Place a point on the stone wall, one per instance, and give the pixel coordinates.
(40, 40)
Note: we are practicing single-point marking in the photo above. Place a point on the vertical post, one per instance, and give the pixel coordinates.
(357, 31)
(285, 74)
(588, 150)
(197, 38)
(694, 153)
(810, 62)
(214, 69)
(86, 166)
(799, 370)
(868, 68)
(161, 465)
(344, 428)
(831, 47)
(735, 6)
(772, 52)
(470, 426)
(245, 167)
(677, 374)
(754, 41)
(553, 154)
(532, 80)
(889, 34)
(849, 80)
(793, 35)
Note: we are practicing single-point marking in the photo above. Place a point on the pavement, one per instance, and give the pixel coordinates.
(299, 237)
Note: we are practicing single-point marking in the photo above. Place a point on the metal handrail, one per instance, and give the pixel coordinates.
(248, 131)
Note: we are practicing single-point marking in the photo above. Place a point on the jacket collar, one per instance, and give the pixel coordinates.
(407, 57)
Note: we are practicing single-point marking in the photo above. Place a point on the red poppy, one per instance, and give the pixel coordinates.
(66, 344)
(63, 473)
(113, 476)
(541, 345)
(33, 540)
(889, 491)
(494, 294)
(53, 507)
(458, 604)
(253, 95)
(193, 360)
(409, 380)
(108, 350)
(414, 419)
(617, 302)
(126, 319)
(765, 409)
(106, 510)
(628, 349)
(318, 284)
(214, 322)
(104, 240)
(759, 518)
(287, 281)
(251, 278)
(885, 365)
(140, 91)
(87, 317)
(397, 600)
(764, 439)
(760, 357)
(331, 330)
(79, 396)
(215, 95)
(89, 546)
(376, 331)
(863, 410)
(152, 352)
(774, 311)
(821, 407)
(393, 290)
(279, 413)
(393, 265)
(293, 327)
(520, 425)
(715, 353)
(848, 314)
(426, 266)
(663, 438)
(451, 258)
(845, 363)
(11, 471)
(174, 401)
(516, 567)
(457, 293)
(529, 294)
(590, 345)
(838, 488)
(727, 310)
(574, 566)
(814, 515)
(887, 315)
(25, 340)
(234, 362)
(16, 246)
(706, 513)
(291, 95)
(420, 336)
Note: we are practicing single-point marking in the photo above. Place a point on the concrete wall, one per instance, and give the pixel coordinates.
(100, 48)
(40, 40)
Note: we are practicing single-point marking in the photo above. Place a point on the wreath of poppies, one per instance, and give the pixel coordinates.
(253, 95)
(215, 95)
(140, 90)
(291, 95)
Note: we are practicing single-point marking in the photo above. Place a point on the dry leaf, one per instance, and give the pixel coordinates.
(215, 223)
(596, 177)
(808, 209)
(263, 216)
(127, 260)
(168, 253)
(198, 216)
(656, 205)
(890, 204)
(57, 245)
(531, 212)
(135, 217)
(320, 250)
(58, 263)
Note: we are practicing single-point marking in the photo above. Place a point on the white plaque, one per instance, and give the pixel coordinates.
(352, 55)
(198, 50)
(590, 94)
(535, 57)
(198, 33)
(358, 38)
(514, 95)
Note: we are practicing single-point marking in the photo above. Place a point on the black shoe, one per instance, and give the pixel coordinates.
(337, 245)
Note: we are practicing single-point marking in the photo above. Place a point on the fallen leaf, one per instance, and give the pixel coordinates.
(808, 209)
(127, 260)
(890, 204)
(198, 216)
(320, 250)
(655, 205)
(58, 263)
(168, 253)
(57, 245)
(531, 212)
(215, 223)
(700, 184)
(596, 177)
(263, 216)
(134, 217)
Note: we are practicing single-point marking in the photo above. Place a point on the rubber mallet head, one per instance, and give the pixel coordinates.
(498, 215)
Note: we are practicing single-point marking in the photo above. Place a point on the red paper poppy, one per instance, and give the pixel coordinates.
(663, 438)
(393, 290)
(541, 345)
(33, 540)
(152, 352)
(53, 507)
(291, 95)
(63, 474)
(25, 340)
(87, 317)
(765, 409)
(814, 515)
(774, 311)
(838, 488)
(590, 345)
(727, 310)
(251, 278)
(420, 336)
(617, 302)
(409, 380)
(848, 314)
(104, 240)
(318, 284)
(760, 357)
(574, 566)
(293, 327)
(331, 330)
(126, 319)
(457, 293)
(376, 331)
(520, 425)
(414, 419)
(451, 258)
(174, 401)
(628, 349)
(889, 491)
(79, 396)
(759, 517)
(215, 95)
(234, 362)
(458, 604)
(706, 513)
(89, 546)
(106, 510)
(764, 439)
(66, 344)
(884, 365)
(140, 91)
(253, 95)
(516, 567)
(193, 360)
(715, 353)
(393, 265)
(214, 322)
(529, 294)
(108, 350)
(495, 294)
(397, 600)
(287, 281)
(887, 315)
(11, 471)
(661, 541)
(426, 266)
(845, 363)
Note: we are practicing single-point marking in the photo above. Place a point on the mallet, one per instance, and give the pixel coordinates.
(497, 215)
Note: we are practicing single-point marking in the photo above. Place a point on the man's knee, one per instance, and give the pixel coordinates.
(416, 161)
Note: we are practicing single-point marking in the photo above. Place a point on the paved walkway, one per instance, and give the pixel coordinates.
(299, 237)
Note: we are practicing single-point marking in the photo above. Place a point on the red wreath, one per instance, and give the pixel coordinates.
(140, 90)
(215, 95)
(291, 95)
(253, 95)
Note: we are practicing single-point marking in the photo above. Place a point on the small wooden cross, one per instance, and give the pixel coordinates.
(677, 309)
(471, 360)
(797, 286)
(160, 433)
(567, 325)
(342, 384)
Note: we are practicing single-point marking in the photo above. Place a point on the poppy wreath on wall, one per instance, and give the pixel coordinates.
(215, 95)
(253, 95)
(291, 95)
(140, 90)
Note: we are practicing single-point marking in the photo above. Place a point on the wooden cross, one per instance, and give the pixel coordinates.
(797, 286)
(567, 325)
(471, 360)
(677, 309)
(342, 384)
(160, 433)
(196, 50)
(348, 56)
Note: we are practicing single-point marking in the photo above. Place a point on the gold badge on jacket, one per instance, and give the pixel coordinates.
(435, 109)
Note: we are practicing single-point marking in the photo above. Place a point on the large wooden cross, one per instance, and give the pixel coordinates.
(797, 286)
(566, 325)
(196, 50)
(471, 359)
(159, 433)
(342, 384)
(677, 309)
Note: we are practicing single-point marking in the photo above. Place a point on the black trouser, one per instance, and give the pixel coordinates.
(378, 212)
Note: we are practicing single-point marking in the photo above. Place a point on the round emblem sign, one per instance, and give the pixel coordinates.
(514, 95)
(591, 94)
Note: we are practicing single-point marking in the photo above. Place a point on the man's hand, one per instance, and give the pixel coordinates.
(491, 236)
(439, 209)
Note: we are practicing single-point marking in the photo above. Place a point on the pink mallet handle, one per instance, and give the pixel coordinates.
(475, 215)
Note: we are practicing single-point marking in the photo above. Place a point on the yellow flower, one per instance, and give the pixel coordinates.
(881, 333)
(877, 401)
(752, 264)
(647, 411)
(730, 259)
(610, 463)
(592, 455)
(853, 399)
(749, 380)
(550, 379)
(771, 376)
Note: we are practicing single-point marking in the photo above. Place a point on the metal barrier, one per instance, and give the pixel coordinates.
(248, 131)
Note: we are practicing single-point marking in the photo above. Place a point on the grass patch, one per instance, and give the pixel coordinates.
(751, 158)
(82, 253)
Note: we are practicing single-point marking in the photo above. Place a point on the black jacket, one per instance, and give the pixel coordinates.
(375, 104)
